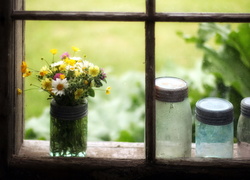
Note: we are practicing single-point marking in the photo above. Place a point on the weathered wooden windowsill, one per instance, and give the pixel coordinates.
(105, 149)
(119, 160)
(36, 148)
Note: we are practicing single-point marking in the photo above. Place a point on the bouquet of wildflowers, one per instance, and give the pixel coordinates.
(69, 80)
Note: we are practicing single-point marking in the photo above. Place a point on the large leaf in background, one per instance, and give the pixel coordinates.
(241, 41)
(207, 31)
(226, 64)
(229, 60)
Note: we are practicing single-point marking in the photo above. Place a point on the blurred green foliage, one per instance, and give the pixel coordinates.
(227, 56)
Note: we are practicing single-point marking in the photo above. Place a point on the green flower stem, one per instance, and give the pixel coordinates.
(68, 137)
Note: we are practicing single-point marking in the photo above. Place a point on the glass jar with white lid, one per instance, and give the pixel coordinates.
(173, 118)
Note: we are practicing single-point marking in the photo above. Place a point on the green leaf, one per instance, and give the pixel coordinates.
(240, 40)
(226, 54)
(91, 92)
(209, 30)
(187, 38)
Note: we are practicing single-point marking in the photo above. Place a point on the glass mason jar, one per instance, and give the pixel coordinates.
(214, 128)
(173, 118)
(68, 130)
(243, 129)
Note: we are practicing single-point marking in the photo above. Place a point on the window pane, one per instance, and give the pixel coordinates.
(172, 49)
(86, 5)
(232, 6)
(175, 58)
(213, 58)
(119, 49)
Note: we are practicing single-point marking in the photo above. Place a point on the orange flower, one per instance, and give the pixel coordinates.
(27, 73)
(24, 67)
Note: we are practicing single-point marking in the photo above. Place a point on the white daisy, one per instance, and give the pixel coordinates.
(71, 68)
(87, 64)
(76, 58)
(57, 64)
(59, 86)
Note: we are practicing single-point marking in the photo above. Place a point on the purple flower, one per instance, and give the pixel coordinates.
(103, 74)
(65, 55)
(58, 75)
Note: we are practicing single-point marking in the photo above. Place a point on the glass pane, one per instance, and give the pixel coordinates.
(220, 6)
(213, 59)
(116, 47)
(172, 49)
(86, 5)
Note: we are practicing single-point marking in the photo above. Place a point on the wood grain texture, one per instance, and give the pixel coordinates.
(118, 150)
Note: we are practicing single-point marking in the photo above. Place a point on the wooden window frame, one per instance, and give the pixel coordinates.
(16, 160)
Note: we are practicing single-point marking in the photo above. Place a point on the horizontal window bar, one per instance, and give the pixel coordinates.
(78, 15)
(202, 17)
(131, 16)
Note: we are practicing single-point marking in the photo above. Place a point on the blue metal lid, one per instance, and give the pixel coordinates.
(214, 111)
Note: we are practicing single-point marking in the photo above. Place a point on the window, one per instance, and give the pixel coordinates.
(14, 164)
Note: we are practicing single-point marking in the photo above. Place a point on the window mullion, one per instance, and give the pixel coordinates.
(150, 78)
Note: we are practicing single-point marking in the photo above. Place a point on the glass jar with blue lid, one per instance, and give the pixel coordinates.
(214, 128)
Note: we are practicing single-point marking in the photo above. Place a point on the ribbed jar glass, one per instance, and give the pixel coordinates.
(214, 128)
(68, 130)
(173, 118)
(243, 129)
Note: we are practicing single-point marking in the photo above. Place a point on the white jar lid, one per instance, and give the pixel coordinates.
(170, 89)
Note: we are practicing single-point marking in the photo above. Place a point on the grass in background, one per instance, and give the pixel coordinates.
(217, 6)
(86, 5)
(232, 6)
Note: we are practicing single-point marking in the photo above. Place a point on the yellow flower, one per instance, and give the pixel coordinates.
(46, 84)
(62, 76)
(71, 62)
(27, 73)
(19, 91)
(62, 67)
(86, 82)
(53, 51)
(108, 90)
(94, 71)
(24, 67)
(77, 73)
(54, 69)
(75, 49)
(78, 93)
(43, 71)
